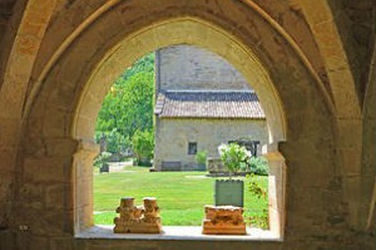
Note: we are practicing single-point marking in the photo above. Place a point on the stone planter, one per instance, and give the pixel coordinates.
(215, 166)
(229, 192)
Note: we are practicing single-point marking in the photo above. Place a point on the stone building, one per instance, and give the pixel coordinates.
(201, 102)
(310, 62)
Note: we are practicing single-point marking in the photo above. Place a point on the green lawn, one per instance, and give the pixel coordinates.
(181, 195)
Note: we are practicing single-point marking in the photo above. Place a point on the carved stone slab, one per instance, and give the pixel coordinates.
(138, 219)
(223, 220)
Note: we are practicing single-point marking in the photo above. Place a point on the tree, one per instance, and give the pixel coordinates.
(128, 106)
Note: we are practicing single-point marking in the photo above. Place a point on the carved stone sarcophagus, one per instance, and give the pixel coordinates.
(223, 220)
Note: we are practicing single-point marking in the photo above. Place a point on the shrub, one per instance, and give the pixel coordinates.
(143, 145)
(201, 157)
(258, 165)
(102, 159)
(234, 157)
(255, 188)
(237, 158)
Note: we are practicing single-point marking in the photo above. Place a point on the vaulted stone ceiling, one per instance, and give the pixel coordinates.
(353, 18)
(333, 39)
(356, 25)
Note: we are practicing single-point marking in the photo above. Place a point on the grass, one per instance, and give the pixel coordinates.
(181, 195)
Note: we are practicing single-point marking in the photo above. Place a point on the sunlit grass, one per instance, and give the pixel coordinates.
(181, 195)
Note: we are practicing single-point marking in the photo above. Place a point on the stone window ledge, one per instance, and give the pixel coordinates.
(176, 233)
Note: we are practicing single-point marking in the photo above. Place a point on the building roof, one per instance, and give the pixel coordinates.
(208, 104)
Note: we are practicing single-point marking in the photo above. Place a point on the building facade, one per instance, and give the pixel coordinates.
(202, 101)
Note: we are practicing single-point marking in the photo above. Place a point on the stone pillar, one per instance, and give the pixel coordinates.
(83, 186)
(277, 192)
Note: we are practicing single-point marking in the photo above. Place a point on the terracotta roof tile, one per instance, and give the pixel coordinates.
(209, 104)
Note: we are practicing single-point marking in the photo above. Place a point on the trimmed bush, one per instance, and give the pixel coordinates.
(143, 146)
(201, 157)
(258, 165)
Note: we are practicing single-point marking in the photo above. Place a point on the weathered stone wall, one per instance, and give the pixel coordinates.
(11, 14)
(324, 137)
(173, 136)
(191, 67)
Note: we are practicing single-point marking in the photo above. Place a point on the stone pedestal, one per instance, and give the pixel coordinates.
(223, 220)
(138, 219)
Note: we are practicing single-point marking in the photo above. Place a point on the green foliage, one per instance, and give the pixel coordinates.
(201, 157)
(116, 142)
(255, 188)
(102, 159)
(237, 158)
(234, 157)
(144, 64)
(128, 106)
(143, 145)
(258, 165)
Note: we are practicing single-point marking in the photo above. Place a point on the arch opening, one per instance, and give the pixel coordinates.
(189, 31)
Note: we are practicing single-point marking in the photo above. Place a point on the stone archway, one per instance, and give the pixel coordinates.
(174, 32)
(53, 140)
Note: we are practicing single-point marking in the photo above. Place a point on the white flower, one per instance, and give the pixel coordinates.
(222, 148)
(248, 153)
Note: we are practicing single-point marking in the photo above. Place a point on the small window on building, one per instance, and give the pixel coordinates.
(192, 148)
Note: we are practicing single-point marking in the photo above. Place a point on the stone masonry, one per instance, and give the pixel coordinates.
(311, 64)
